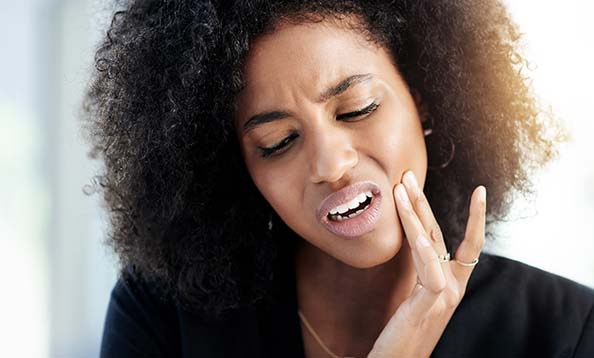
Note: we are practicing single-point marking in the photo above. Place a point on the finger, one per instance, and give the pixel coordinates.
(474, 237)
(423, 210)
(428, 266)
(432, 275)
(424, 213)
(416, 259)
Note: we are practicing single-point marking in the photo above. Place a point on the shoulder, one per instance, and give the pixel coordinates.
(140, 321)
(514, 309)
(527, 286)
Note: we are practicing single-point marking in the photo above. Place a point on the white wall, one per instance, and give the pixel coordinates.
(57, 273)
(558, 234)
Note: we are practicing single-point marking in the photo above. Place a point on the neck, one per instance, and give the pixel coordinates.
(348, 307)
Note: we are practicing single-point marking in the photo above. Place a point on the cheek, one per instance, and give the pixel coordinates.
(281, 187)
(398, 143)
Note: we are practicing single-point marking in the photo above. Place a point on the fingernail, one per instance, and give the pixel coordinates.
(422, 241)
(483, 194)
(401, 192)
(411, 180)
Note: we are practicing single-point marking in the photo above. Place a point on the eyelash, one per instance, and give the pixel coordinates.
(269, 151)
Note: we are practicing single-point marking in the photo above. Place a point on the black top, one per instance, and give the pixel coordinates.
(510, 309)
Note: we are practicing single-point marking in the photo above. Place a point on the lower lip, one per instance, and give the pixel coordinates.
(358, 225)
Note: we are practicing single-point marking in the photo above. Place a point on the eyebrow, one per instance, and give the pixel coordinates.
(327, 94)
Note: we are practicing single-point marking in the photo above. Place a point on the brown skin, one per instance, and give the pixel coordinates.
(355, 293)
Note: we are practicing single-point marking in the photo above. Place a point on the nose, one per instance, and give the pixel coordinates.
(332, 155)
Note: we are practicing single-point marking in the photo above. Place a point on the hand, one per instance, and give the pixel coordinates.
(419, 322)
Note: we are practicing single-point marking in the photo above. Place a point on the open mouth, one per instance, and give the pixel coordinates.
(352, 211)
(358, 219)
(356, 207)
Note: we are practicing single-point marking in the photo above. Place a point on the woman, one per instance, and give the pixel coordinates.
(308, 178)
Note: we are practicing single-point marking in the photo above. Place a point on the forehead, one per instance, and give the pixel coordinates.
(305, 57)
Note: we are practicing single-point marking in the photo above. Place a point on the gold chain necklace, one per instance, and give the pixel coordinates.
(313, 333)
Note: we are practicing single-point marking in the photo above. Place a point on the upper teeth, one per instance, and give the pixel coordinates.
(351, 204)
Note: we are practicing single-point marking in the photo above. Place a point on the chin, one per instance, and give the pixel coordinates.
(377, 251)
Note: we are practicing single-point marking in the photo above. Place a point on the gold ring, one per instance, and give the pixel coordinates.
(467, 264)
(444, 258)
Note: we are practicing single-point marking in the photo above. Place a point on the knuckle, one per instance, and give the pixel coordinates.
(438, 287)
(453, 297)
(451, 303)
(477, 245)
(436, 233)
(419, 198)
(442, 286)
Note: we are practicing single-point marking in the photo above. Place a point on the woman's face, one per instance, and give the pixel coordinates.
(304, 86)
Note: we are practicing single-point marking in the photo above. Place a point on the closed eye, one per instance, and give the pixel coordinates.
(370, 108)
(266, 152)
(269, 151)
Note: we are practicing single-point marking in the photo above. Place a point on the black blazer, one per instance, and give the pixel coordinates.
(510, 309)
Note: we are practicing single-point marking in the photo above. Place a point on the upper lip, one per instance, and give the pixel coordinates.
(345, 195)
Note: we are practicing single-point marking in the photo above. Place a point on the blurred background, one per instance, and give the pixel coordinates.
(57, 275)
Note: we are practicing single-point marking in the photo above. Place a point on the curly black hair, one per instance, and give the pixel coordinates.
(159, 112)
